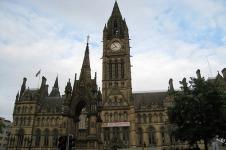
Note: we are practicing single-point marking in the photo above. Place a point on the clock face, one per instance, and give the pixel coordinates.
(115, 46)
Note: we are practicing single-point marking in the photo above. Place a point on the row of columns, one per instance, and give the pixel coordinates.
(13, 142)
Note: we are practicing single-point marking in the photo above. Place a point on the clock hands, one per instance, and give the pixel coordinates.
(115, 46)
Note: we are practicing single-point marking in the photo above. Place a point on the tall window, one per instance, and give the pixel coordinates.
(46, 137)
(139, 137)
(16, 121)
(106, 134)
(37, 137)
(125, 116)
(20, 137)
(29, 121)
(152, 136)
(125, 134)
(160, 118)
(150, 118)
(115, 116)
(163, 135)
(116, 70)
(55, 137)
(110, 70)
(144, 118)
(122, 70)
(139, 118)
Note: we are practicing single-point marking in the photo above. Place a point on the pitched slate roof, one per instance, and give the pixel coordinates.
(148, 98)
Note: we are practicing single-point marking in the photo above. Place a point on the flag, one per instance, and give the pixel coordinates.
(38, 73)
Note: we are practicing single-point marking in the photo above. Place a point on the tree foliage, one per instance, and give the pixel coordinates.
(197, 111)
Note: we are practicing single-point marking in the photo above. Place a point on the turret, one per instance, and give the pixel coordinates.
(43, 82)
(224, 73)
(55, 91)
(23, 86)
(17, 96)
(198, 74)
(74, 86)
(171, 88)
(68, 89)
(44, 88)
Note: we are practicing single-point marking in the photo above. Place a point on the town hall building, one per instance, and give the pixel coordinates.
(108, 119)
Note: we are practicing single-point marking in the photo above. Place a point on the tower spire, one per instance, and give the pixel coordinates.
(116, 11)
(56, 83)
(86, 71)
(116, 25)
(55, 91)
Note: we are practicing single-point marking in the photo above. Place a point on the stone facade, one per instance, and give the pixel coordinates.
(5, 133)
(39, 118)
(113, 119)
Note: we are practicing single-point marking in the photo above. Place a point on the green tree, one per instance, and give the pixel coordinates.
(197, 111)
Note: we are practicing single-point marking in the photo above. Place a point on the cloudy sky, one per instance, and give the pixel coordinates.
(169, 39)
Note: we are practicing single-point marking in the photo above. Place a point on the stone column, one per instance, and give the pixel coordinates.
(158, 137)
(145, 136)
(133, 136)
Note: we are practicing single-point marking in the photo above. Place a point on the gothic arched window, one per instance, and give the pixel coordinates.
(106, 117)
(122, 69)
(138, 118)
(30, 110)
(106, 134)
(37, 137)
(125, 134)
(38, 122)
(28, 121)
(18, 109)
(115, 116)
(120, 117)
(110, 117)
(163, 134)
(139, 137)
(144, 118)
(155, 118)
(16, 121)
(151, 136)
(116, 70)
(55, 137)
(161, 118)
(20, 137)
(150, 118)
(46, 137)
(125, 116)
(110, 70)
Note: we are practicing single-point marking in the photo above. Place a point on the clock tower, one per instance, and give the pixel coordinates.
(116, 83)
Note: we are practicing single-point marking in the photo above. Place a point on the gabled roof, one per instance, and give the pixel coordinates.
(149, 98)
